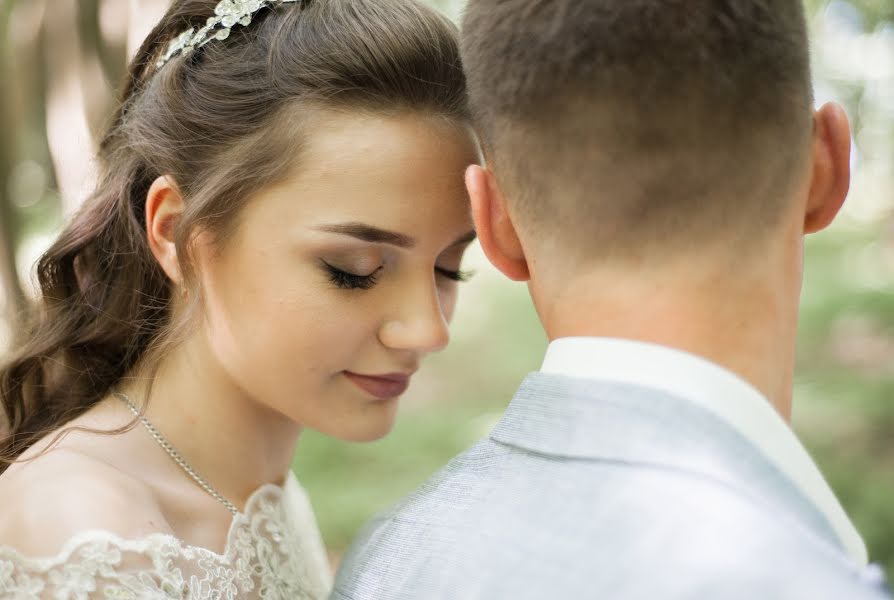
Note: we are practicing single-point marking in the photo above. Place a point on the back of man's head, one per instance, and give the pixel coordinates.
(654, 126)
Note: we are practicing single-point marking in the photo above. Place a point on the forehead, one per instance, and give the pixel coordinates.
(402, 173)
(370, 163)
(399, 173)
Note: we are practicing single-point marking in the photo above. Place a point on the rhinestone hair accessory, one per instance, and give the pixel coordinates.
(227, 14)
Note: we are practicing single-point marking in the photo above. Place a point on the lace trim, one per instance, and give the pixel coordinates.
(272, 551)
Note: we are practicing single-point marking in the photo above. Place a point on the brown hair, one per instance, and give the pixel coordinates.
(641, 124)
(223, 122)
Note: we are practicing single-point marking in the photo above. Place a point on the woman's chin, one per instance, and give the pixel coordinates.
(366, 433)
(366, 427)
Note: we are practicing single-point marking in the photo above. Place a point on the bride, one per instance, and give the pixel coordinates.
(274, 243)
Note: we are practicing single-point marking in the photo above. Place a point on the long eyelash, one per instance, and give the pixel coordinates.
(455, 275)
(350, 281)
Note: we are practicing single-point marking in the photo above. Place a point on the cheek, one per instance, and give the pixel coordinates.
(274, 332)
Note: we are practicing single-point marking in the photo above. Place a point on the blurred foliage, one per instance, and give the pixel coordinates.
(845, 382)
(60, 61)
(875, 12)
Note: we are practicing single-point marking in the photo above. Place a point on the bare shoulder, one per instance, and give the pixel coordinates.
(64, 492)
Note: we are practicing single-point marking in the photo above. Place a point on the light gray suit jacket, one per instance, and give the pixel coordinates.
(599, 490)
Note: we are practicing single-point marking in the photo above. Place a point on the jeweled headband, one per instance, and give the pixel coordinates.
(227, 14)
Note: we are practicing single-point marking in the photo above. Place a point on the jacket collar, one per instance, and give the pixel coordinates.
(581, 418)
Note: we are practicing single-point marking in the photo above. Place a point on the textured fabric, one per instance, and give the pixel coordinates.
(720, 392)
(589, 490)
(273, 551)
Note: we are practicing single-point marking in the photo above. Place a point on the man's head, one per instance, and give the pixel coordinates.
(652, 167)
(642, 127)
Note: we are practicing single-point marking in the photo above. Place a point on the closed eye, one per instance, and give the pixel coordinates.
(351, 281)
(454, 275)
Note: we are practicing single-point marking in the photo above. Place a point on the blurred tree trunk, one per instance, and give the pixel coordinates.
(9, 280)
(104, 64)
(29, 75)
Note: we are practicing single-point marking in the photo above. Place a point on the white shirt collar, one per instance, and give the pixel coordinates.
(716, 389)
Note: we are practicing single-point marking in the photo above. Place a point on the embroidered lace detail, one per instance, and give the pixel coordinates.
(273, 552)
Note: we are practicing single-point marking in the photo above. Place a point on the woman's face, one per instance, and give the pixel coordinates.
(337, 282)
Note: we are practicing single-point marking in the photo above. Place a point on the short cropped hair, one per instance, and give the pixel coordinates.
(634, 124)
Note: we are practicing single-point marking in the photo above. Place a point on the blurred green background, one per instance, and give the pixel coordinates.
(60, 61)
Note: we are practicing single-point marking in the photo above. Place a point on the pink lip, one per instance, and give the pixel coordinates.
(389, 385)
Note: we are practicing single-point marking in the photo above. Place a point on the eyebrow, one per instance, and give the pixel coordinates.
(375, 235)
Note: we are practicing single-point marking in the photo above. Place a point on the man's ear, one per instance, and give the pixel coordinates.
(831, 167)
(496, 232)
(164, 206)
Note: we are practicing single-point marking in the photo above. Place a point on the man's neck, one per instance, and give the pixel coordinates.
(745, 324)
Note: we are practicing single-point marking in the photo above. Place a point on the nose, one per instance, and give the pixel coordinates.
(418, 325)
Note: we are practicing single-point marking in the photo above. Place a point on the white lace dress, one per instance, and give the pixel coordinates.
(273, 551)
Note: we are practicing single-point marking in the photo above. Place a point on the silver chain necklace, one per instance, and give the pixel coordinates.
(172, 452)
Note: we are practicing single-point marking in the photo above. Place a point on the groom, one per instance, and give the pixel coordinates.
(652, 169)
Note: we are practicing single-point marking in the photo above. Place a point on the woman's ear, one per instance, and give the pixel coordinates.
(496, 232)
(164, 206)
(831, 167)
